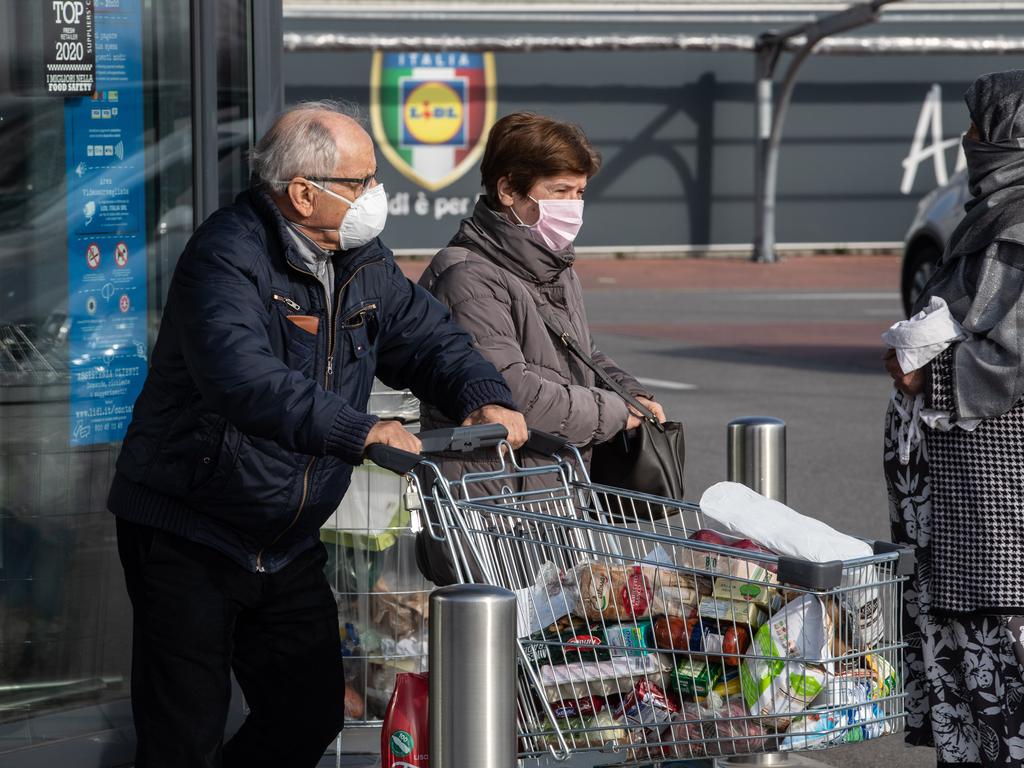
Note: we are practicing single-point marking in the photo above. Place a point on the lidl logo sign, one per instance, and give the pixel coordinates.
(431, 112)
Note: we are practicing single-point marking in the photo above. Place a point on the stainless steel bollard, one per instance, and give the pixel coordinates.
(757, 455)
(757, 459)
(472, 677)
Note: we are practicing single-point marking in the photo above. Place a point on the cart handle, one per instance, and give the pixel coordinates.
(461, 439)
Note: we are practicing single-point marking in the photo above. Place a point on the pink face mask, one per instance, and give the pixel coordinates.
(559, 222)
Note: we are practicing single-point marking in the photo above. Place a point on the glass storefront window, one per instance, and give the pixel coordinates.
(96, 204)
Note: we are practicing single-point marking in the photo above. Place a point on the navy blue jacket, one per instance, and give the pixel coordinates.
(254, 409)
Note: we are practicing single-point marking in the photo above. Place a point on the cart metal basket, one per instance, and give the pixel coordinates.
(643, 633)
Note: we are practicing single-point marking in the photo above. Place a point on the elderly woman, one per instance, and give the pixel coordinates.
(959, 495)
(507, 276)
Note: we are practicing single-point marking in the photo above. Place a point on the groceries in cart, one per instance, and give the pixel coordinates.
(715, 656)
(735, 626)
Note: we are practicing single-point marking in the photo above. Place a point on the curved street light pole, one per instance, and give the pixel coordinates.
(770, 117)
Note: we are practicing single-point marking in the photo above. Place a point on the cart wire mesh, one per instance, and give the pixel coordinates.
(644, 633)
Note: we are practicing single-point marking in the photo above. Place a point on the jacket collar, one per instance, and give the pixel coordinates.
(491, 235)
(344, 261)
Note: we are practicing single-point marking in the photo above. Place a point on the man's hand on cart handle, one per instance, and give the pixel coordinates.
(392, 433)
(513, 421)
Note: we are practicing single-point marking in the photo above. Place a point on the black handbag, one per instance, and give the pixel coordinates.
(647, 459)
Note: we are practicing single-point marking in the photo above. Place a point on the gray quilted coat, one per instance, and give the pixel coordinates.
(500, 286)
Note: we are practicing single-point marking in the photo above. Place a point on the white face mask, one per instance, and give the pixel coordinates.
(366, 216)
(558, 224)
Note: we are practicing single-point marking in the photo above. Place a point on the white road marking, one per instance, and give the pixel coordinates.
(819, 296)
(674, 386)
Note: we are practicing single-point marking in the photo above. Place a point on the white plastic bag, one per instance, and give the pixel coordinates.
(781, 529)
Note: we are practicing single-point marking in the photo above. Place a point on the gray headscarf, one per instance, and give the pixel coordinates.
(981, 276)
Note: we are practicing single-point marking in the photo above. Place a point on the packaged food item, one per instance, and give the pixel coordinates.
(571, 639)
(676, 592)
(746, 580)
(787, 679)
(634, 639)
(405, 734)
(727, 690)
(646, 711)
(672, 633)
(699, 731)
(852, 709)
(619, 593)
(712, 563)
(731, 612)
(585, 706)
(585, 732)
(835, 726)
(722, 642)
(693, 678)
(574, 680)
(858, 618)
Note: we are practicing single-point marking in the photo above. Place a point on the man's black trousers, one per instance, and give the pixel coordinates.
(197, 616)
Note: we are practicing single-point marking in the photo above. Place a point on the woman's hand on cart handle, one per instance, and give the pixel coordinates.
(394, 435)
(513, 421)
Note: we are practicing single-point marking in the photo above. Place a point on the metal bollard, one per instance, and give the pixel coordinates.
(757, 459)
(757, 455)
(472, 677)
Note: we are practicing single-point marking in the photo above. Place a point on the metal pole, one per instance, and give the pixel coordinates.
(768, 51)
(472, 677)
(757, 459)
(766, 176)
(757, 455)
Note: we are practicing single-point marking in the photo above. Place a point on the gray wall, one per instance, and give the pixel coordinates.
(675, 130)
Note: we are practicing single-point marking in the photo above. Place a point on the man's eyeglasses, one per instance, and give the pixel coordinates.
(363, 182)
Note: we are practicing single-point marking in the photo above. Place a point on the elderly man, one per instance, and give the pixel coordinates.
(282, 309)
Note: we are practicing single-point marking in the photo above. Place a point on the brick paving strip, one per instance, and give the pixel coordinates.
(805, 273)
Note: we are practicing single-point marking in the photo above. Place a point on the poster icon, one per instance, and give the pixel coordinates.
(431, 112)
(121, 254)
(90, 305)
(125, 303)
(92, 255)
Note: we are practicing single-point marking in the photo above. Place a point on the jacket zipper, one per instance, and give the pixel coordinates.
(332, 314)
(288, 302)
(357, 318)
(333, 337)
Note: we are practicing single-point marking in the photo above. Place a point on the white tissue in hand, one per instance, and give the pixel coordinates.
(920, 339)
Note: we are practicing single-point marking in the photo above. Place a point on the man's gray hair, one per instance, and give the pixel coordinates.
(298, 144)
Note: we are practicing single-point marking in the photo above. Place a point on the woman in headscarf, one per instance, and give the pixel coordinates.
(960, 498)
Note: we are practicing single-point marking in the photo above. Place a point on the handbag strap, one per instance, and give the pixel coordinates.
(573, 346)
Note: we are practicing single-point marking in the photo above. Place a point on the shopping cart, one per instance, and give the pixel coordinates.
(643, 633)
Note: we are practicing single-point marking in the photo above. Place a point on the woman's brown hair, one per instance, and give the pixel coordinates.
(525, 147)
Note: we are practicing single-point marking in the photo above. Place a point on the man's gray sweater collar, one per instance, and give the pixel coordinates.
(317, 260)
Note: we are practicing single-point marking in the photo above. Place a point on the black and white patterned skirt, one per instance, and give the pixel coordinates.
(977, 507)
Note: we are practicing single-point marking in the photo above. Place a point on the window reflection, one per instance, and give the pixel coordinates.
(64, 615)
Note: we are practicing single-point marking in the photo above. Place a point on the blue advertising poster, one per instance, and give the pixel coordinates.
(105, 167)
